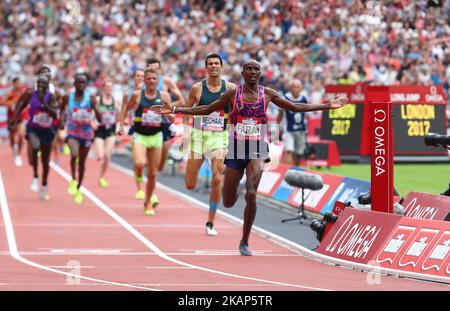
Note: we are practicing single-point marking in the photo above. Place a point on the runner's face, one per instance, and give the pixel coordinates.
(138, 77)
(17, 85)
(80, 83)
(213, 67)
(108, 88)
(46, 73)
(42, 85)
(251, 73)
(151, 80)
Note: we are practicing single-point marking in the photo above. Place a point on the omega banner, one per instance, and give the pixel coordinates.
(382, 158)
(417, 111)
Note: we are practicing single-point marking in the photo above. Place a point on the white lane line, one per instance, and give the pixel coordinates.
(169, 268)
(155, 249)
(94, 226)
(299, 249)
(198, 254)
(14, 252)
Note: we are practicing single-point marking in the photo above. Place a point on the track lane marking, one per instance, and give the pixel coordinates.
(14, 252)
(155, 249)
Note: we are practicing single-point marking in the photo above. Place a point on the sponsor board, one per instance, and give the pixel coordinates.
(271, 180)
(417, 245)
(358, 235)
(426, 206)
(348, 190)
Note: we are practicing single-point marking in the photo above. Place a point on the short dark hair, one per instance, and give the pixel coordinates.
(44, 67)
(153, 61)
(83, 74)
(213, 55)
(15, 79)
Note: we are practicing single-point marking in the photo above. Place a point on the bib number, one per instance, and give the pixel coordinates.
(81, 115)
(108, 118)
(43, 119)
(214, 122)
(248, 129)
(150, 118)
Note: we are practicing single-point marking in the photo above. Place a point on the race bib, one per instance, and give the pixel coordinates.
(150, 118)
(213, 122)
(43, 119)
(81, 115)
(248, 129)
(109, 117)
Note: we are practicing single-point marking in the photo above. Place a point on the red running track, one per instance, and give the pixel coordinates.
(107, 243)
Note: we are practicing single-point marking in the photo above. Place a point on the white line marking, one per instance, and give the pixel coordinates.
(155, 249)
(297, 248)
(13, 250)
(67, 253)
(94, 226)
(175, 268)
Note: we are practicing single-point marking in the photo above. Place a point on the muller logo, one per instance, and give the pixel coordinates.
(439, 254)
(395, 243)
(418, 247)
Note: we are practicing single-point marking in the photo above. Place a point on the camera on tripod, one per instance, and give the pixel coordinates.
(437, 140)
(319, 226)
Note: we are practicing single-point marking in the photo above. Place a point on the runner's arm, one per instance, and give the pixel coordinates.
(51, 107)
(278, 100)
(126, 107)
(219, 104)
(98, 114)
(23, 101)
(64, 102)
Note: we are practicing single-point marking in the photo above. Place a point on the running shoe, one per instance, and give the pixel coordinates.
(244, 250)
(18, 160)
(149, 212)
(78, 198)
(154, 201)
(34, 185)
(140, 195)
(210, 229)
(43, 195)
(72, 190)
(103, 183)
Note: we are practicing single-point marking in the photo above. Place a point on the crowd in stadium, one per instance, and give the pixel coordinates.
(319, 42)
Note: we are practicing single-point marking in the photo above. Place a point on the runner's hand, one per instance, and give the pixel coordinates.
(338, 101)
(12, 125)
(162, 109)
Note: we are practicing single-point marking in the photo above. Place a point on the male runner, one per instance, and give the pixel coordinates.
(167, 85)
(78, 106)
(16, 134)
(147, 131)
(138, 82)
(209, 135)
(40, 129)
(248, 150)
